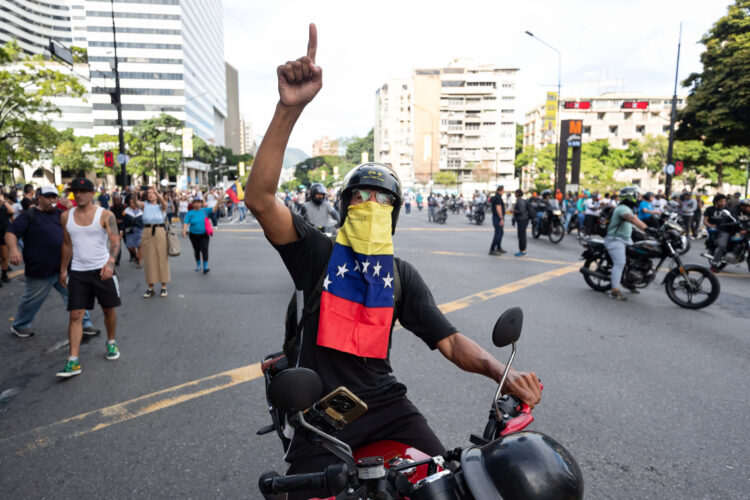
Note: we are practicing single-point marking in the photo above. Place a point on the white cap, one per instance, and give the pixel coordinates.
(49, 190)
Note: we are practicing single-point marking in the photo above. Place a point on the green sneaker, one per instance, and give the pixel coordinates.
(71, 368)
(112, 351)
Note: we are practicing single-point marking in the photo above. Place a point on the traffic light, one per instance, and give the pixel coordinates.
(109, 159)
(678, 168)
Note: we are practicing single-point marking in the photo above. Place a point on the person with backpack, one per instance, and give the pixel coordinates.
(198, 224)
(356, 274)
(40, 228)
(617, 240)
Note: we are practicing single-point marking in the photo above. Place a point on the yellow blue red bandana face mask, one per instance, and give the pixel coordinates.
(356, 306)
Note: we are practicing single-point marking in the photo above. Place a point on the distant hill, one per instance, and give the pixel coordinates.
(292, 156)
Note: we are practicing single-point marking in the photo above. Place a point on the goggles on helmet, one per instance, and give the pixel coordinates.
(359, 195)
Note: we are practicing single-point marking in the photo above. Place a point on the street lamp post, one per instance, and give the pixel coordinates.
(557, 112)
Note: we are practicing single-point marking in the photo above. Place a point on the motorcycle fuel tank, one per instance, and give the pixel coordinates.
(646, 248)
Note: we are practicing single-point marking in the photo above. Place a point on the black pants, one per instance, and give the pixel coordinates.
(497, 239)
(590, 224)
(521, 228)
(722, 242)
(398, 421)
(200, 246)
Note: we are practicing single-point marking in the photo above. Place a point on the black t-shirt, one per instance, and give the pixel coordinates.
(715, 217)
(26, 203)
(369, 378)
(497, 199)
(42, 242)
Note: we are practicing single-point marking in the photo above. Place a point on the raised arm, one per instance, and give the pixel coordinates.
(298, 81)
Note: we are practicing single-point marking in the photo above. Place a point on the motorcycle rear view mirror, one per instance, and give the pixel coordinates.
(508, 327)
(295, 389)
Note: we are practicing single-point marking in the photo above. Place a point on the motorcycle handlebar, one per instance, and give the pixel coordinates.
(333, 479)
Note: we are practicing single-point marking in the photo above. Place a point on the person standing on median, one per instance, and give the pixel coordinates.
(40, 228)
(86, 229)
(498, 221)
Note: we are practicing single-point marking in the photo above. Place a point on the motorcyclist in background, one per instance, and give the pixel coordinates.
(719, 227)
(618, 237)
(318, 209)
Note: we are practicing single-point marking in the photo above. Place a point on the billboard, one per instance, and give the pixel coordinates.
(187, 142)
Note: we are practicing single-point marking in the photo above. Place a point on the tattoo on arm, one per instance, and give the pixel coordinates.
(114, 236)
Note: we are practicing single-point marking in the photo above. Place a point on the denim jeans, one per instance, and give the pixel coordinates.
(497, 239)
(36, 292)
(242, 210)
(568, 216)
(616, 248)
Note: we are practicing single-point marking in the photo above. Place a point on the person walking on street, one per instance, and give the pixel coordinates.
(133, 229)
(521, 217)
(154, 243)
(6, 213)
(41, 230)
(86, 229)
(195, 224)
(498, 221)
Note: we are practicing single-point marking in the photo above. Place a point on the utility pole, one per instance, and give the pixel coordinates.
(117, 101)
(668, 182)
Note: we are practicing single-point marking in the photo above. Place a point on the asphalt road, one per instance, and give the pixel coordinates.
(651, 399)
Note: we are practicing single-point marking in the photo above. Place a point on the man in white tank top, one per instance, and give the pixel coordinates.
(86, 229)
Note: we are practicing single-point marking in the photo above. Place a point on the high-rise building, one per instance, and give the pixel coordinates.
(34, 22)
(457, 118)
(247, 141)
(232, 130)
(325, 147)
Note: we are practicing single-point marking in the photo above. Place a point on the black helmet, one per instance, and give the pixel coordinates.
(526, 465)
(317, 188)
(546, 192)
(648, 195)
(374, 175)
(629, 195)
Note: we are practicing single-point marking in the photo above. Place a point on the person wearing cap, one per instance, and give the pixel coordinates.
(86, 229)
(42, 233)
(154, 243)
(195, 224)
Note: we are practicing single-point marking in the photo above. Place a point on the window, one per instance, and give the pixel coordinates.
(454, 163)
(628, 116)
(640, 129)
(508, 98)
(490, 98)
(600, 116)
(625, 142)
(665, 129)
(613, 129)
(587, 130)
(456, 101)
(472, 126)
(481, 84)
(452, 83)
(508, 85)
(508, 111)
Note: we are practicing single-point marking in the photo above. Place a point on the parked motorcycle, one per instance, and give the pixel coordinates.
(689, 286)
(738, 249)
(505, 462)
(551, 224)
(441, 214)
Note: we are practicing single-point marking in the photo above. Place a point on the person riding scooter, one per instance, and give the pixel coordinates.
(348, 338)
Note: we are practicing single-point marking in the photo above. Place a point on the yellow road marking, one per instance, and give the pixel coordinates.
(464, 302)
(95, 420)
(13, 274)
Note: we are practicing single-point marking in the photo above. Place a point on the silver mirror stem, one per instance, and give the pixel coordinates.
(330, 443)
(502, 380)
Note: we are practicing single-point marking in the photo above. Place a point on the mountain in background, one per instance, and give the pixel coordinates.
(292, 156)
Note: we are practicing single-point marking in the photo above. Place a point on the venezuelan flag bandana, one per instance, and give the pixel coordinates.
(356, 305)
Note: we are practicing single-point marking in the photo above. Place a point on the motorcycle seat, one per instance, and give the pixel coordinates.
(594, 241)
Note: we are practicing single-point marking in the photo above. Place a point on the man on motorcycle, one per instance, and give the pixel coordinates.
(618, 237)
(646, 211)
(719, 227)
(543, 206)
(318, 210)
(371, 199)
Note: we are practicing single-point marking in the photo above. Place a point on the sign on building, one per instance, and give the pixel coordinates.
(550, 112)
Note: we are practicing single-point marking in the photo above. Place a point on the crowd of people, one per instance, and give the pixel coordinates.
(69, 238)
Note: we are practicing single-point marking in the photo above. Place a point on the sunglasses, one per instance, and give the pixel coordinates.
(380, 197)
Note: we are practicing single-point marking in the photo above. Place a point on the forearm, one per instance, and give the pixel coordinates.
(471, 357)
(67, 255)
(260, 192)
(11, 241)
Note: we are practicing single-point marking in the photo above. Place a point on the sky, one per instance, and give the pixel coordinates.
(605, 45)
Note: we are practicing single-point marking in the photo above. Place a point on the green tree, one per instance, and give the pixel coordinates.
(154, 146)
(26, 86)
(519, 139)
(357, 145)
(718, 105)
(446, 178)
(311, 170)
(74, 154)
(543, 162)
(649, 152)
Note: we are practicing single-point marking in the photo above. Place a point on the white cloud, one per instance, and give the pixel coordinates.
(632, 44)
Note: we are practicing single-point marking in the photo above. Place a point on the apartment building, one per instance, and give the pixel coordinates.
(325, 147)
(616, 117)
(457, 118)
(247, 141)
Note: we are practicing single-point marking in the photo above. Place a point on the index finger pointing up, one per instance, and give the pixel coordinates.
(312, 42)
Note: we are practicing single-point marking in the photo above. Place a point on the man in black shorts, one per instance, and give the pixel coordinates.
(371, 194)
(86, 229)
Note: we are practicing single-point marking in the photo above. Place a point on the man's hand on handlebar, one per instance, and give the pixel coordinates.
(525, 385)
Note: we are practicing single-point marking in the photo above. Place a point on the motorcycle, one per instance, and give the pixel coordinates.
(573, 223)
(441, 214)
(684, 284)
(476, 215)
(551, 224)
(738, 249)
(505, 462)
(674, 221)
(455, 206)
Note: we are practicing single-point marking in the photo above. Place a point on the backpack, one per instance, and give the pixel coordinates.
(531, 209)
(605, 217)
(296, 315)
